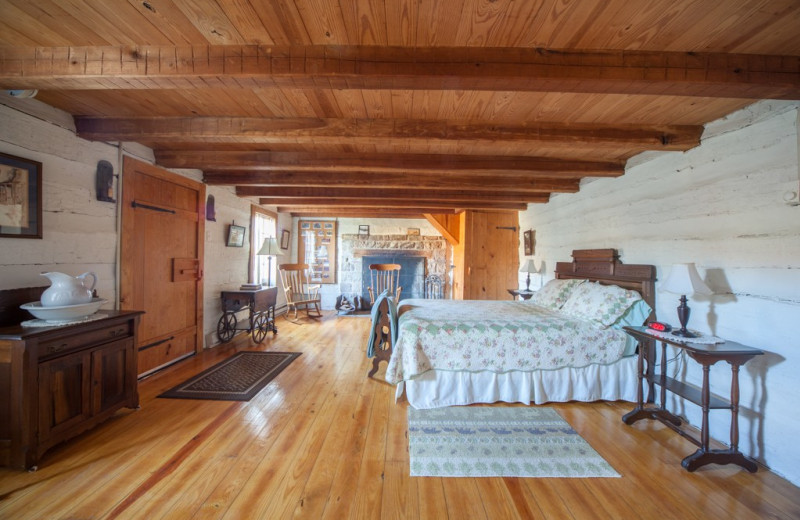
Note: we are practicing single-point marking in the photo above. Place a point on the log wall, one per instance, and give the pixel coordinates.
(720, 205)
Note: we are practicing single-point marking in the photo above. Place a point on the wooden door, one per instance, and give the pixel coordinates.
(163, 226)
(487, 256)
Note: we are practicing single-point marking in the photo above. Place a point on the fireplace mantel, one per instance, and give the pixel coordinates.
(359, 253)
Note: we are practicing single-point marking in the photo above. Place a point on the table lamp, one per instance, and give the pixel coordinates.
(269, 249)
(528, 267)
(684, 279)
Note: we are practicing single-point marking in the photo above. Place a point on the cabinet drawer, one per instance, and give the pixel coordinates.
(84, 339)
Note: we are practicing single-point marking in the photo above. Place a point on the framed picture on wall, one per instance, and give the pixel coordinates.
(235, 236)
(529, 241)
(20, 197)
(285, 239)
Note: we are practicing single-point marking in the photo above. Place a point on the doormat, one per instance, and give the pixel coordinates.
(238, 378)
(499, 442)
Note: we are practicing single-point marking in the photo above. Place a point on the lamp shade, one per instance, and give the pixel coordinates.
(270, 247)
(528, 267)
(684, 279)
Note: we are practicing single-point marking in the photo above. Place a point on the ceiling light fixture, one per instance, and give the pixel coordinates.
(23, 94)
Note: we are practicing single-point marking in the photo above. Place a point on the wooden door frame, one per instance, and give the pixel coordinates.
(127, 234)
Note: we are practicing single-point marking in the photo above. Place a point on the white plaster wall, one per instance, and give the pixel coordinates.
(721, 206)
(81, 233)
(349, 226)
(226, 268)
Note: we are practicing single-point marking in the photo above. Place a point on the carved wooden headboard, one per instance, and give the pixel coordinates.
(603, 265)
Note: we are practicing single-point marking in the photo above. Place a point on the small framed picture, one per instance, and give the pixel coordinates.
(235, 236)
(285, 239)
(413, 232)
(20, 197)
(529, 241)
(363, 230)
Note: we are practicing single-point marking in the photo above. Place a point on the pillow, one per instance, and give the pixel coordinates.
(601, 303)
(555, 293)
(635, 316)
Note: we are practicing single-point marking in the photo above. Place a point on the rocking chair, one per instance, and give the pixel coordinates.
(299, 293)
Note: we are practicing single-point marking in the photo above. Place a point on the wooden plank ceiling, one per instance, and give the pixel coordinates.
(400, 107)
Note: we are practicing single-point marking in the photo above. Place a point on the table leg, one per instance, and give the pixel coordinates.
(701, 457)
(639, 411)
(734, 407)
(705, 398)
(663, 375)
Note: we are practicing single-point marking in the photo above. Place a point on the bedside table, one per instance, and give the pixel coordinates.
(706, 355)
(522, 293)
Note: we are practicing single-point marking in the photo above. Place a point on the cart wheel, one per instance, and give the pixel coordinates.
(260, 328)
(226, 327)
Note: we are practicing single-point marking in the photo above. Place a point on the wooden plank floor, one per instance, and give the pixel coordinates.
(323, 441)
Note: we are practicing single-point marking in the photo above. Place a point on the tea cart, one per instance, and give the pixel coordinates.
(261, 317)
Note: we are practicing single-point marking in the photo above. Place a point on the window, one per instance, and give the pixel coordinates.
(262, 222)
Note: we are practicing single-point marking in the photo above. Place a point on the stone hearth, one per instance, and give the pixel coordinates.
(354, 247)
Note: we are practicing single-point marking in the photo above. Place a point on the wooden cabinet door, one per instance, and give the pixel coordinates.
(162, 262)
(113, 381)
(64, 394)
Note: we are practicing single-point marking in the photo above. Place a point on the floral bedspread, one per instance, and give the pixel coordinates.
(499, 336)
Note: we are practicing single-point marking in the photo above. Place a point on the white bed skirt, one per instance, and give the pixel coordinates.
(435, 389)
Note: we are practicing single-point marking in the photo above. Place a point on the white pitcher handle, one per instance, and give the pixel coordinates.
(83, 279)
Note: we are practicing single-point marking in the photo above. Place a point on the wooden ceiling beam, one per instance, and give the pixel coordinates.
(381, 180)
(362, 212)
(305, 131)
(387, 163)
(309, 193)
(724, 75)
(389, 202)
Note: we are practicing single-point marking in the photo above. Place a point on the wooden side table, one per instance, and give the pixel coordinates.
(735, 354)
(261, 318)
(525, 295)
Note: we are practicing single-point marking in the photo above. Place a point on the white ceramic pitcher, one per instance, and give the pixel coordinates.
(67, 290)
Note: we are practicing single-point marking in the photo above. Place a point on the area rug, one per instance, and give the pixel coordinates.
(238, 378)
(485, 441)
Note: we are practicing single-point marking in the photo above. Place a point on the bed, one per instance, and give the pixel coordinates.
(564, 344)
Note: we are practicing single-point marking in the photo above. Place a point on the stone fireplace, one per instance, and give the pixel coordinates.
(420, 256)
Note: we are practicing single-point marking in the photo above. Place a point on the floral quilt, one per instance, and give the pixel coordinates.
(499, 336)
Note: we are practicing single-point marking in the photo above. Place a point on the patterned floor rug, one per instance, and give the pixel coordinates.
(238, 378)
(483, 441)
